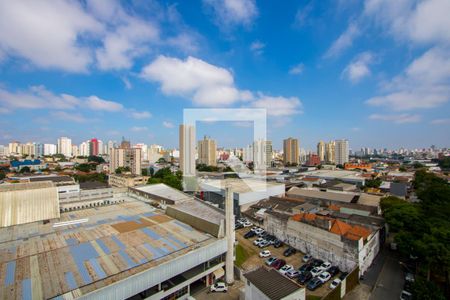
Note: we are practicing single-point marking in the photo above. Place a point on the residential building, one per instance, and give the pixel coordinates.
(101, 149)
(39, 150)
(291, 151)
(144, 149)
(33, 165)
(84, 149)
(126, 157)
(14, 148)
(321, 151)
(4, 151)
(75, 151)
(93, 147)
(330, 152)
(187, 149)
(126, 180)
(207, 150)
(65, 146)
(50, 149)
(313, 160)
(341, 152)
(247, 155)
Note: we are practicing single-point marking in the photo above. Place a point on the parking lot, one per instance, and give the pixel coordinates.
(254, 261)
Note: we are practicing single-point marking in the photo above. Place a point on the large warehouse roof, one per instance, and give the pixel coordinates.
(28, 202)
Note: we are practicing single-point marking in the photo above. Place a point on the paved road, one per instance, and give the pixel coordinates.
(390, 281)
(232, 294)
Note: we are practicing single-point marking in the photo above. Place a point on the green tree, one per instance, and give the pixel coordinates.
(152, 171)
(373, 183)
(25, 169)
(96, 159)
(2, 175)
(144, 172)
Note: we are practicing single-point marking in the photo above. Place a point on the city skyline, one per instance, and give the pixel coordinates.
(356, 80)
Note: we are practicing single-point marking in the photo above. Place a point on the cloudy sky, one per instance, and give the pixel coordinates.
(376, 72)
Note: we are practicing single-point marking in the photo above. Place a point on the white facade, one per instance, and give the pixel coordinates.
(4, 150)
(187, 149)
(144, 150)
(65, 146)
(341, 152)
(50, 149)
(84, 149)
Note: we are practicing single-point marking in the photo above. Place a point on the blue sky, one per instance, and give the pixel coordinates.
(376, 72)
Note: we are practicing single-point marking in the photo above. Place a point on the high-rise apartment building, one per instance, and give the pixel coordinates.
(75, 151)
(187, 149)
(126, 157)
(262, 154)
(93, 147)
(65, 146)
(342, 152)
(290, 151)
(321, 150)
(14, 148)
(330, 156)
(83, 149)
(4, 151)
(50, 149)
(207, 150)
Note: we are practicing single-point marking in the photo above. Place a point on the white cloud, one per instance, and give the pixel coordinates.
(48, 34)
(423, 22)
(127, 83)
(194, 78)
(302, 15)
(359, 67)
(399, 119)
(297, 69)
(95, 103)
(66, 116)
(279, 106)
(233, 12)
(344, 41)
(140, 114)
(138, 129)
(125, 43)
(168, 124)
(440, 121)
(257, 47)
(424, 83)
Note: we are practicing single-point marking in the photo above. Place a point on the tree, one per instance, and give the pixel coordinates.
(144, 172)
(152, 171)
(2, 175)
(402, 169)
(96, 159)
(121, 170)
(166, 176)
(25, 169)
(373, 183)
(85, 167)
(444, 163)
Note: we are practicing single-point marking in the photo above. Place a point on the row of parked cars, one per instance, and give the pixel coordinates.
(313, 274)
(242, 223)
(264, 238)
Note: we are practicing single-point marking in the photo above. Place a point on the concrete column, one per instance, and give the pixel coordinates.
(230, 235)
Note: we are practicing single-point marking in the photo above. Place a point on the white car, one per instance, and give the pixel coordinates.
(285, 269)
(247, 224)
(325, 266)
(335, 283)
(316, 271)
(324, 277)
(258, 241)
(264, 244)
(254, 228)
(292, 273)
(258, 231)
(265, 253)
(219, 287)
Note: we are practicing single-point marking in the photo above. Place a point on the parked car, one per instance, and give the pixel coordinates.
(292, 273)
(277, 243)
(306, 268)
(270, 260)
(314, 284)
(316, 271)
(262, 233)
(249, 234)
(317, 262)
(289, 251)
(238, 226)
(333, 271)
(304, 277)
(286, 268)
(263, 244)
(279, 263)
(343, 275)
(257, 241)
(265, 253)
(259, 231)
(219, 287)
(306, 257)
(325, 266)
(405, 295)
(335, 283)
(247, 224)
(324, 276)
(254, 228)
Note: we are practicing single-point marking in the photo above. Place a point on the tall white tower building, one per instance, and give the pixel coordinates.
(341, 152)
(65, 146)
(187, 149)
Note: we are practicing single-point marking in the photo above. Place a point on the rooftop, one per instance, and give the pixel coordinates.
(312, 193)
(239, 185)
(272, 283)
(338, 174)
(163, 191)
(89, 249)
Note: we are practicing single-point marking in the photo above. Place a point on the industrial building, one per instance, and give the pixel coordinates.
(127, 249)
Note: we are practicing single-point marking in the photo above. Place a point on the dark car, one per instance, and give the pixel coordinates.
(238, 226)
(313, 284)
(333, 271)
(289, 251)
(305, 268)
(343, 275)
(278, 264)
(317, 262)
(304, 277)
(249, 234)
(277, 243)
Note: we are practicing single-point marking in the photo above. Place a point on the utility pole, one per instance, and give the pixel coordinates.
(230, 235)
